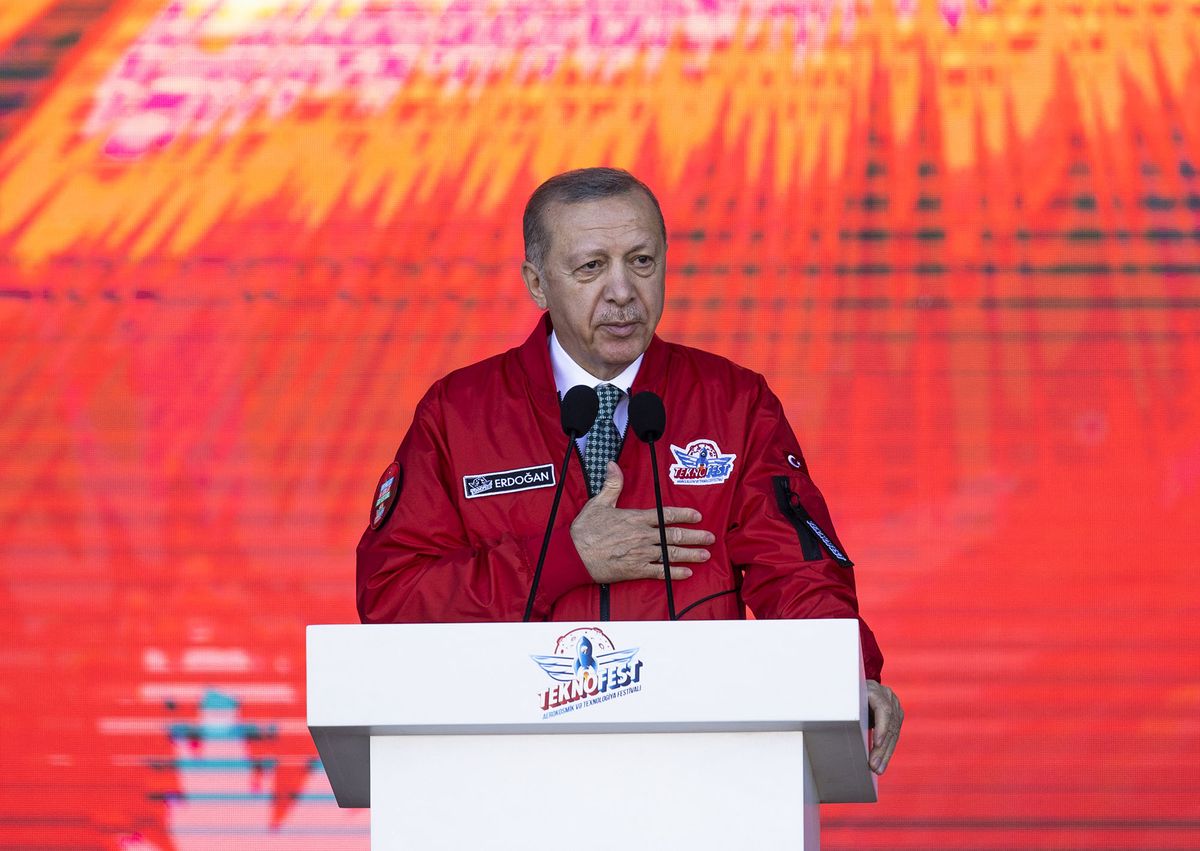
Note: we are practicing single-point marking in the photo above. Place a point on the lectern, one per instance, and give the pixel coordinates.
(630, 735)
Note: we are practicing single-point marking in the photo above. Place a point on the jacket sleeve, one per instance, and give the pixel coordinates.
(420, 565)
(787, 570)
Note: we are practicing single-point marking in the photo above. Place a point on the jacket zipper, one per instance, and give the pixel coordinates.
(808, 541)
(810, 534)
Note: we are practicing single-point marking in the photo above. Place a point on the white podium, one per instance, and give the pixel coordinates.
(631, 735)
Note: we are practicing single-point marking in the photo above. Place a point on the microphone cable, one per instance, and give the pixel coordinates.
(578, 413)
(648, 420)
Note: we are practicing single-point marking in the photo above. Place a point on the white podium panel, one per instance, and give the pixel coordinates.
(714, 733)
(638, 791)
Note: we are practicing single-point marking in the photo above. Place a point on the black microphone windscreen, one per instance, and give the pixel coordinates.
(647, 416)
(579, 409)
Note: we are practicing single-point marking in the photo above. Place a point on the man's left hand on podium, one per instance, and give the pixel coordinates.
(885, 707)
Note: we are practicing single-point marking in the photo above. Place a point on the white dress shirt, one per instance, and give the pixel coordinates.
(567, 374)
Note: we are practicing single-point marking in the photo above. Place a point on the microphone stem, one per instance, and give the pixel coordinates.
(662, 532)
(558, 492)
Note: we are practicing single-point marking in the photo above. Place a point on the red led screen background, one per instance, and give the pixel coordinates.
(239, 239)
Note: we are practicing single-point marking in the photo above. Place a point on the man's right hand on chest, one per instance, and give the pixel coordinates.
(619, 544)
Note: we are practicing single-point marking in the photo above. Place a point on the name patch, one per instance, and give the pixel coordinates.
(508, 481)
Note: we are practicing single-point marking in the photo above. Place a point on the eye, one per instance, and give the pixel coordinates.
(590, 266)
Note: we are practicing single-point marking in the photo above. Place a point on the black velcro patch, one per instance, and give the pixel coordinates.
(508, 481)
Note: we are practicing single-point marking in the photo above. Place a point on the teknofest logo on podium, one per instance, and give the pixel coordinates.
(587, 669)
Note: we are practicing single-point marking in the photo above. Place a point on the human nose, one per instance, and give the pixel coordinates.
(619, 287)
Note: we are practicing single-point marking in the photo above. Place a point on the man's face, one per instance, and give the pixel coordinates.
(602, 279)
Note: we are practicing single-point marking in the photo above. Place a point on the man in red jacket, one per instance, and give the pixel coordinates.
(458, 518)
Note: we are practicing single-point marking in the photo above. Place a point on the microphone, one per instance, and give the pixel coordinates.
(579, 409)
(578, 413)
(648, 420)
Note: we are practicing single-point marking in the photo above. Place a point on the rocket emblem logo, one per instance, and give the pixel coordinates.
(701, 463)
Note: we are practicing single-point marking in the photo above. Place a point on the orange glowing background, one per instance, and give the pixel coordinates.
(239, 239)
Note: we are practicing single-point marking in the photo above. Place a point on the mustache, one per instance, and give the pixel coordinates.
(623, 318)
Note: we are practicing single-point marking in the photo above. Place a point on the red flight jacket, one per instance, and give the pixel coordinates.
(460, 528)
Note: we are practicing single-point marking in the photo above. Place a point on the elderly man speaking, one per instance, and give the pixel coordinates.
(457, 520)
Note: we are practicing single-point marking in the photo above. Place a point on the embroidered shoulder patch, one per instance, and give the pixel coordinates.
(701, 463)
(385, 495)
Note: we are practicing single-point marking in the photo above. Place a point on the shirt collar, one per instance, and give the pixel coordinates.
(567, 373)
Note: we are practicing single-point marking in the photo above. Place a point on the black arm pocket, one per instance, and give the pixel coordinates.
(810, 534)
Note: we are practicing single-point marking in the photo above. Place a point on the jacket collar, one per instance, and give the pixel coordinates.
(534, 357)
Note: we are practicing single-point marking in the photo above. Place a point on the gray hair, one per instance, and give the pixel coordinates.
(573, 187)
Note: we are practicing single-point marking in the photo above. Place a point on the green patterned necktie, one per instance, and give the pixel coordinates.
(603, 441)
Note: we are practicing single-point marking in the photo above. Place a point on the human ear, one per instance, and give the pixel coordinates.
(533, 282)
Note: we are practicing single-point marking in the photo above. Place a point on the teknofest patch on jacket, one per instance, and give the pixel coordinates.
(701, 464)
(508, 481)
